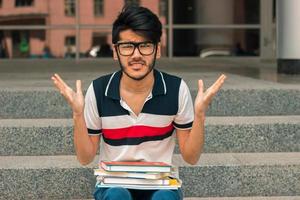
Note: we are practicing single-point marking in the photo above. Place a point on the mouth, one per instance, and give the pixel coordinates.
(136, 65)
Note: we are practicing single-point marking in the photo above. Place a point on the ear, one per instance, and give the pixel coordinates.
(158, 53)
(115, 55)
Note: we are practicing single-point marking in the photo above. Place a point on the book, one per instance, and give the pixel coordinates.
(146, 175)
(173, 184)
(141, 187)
(135, 166)
(135, 181)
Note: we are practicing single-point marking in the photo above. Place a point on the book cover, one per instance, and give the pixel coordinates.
(141, 187)
(146, 175)
(173, 183)
(135, 181)
(132, 166)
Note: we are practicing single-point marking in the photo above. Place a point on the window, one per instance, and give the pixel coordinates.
(162, 7)
(70, 7)
(22, 3)
(70, 41)
(98, 7)
(70, 47)
(137, 2)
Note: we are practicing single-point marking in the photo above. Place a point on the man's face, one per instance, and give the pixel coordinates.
(137, 63)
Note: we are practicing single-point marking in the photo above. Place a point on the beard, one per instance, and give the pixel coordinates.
(150, 67)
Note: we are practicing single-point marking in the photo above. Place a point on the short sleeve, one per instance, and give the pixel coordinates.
(91, 115)
(185, 115)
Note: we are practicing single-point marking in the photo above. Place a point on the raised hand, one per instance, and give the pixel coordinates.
(75, 99)
(203, 99)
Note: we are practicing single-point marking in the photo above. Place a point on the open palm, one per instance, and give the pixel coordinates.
(75, 99)
(203, 99)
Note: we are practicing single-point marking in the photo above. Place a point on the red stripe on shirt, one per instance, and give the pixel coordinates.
(136, 132)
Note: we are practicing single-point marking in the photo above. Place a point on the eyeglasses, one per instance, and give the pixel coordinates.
(127, 48)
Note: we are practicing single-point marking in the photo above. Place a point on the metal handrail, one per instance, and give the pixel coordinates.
(93, 26)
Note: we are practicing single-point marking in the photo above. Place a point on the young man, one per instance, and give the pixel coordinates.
(136, 109)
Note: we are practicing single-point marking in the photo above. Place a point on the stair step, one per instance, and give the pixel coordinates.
(242, 174)
(48, 103)
(246, 198)
(223, 134)
(215, 175)
(237, 198)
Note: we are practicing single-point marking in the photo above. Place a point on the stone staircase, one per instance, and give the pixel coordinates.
(252, 146)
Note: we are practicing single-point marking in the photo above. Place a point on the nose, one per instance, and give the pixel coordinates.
(136, 52)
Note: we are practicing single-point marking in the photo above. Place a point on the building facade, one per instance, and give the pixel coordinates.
(82, 28)
(47, 28)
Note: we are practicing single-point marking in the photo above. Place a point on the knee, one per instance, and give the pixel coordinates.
(116, 193)
(165, 195)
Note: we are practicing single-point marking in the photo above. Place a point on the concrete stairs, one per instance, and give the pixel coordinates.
(252, 146)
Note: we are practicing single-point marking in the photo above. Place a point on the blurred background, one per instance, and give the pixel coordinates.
(191, 28)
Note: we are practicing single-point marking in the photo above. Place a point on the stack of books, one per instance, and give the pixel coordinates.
(136, 175)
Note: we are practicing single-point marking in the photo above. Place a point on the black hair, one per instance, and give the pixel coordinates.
(139, 19)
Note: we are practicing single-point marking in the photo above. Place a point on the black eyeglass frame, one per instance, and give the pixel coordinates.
(136, 45)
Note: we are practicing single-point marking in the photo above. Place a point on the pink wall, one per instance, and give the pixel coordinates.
(53, 13)
(57, 13)
(8, 42)
(37, 41)
(56, 41)
(8, 8)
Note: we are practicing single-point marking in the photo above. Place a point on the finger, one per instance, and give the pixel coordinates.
(218, 84)
(62, 89)
(56, 83)
(78, 87)
(200, 86)
(220, 79)
(60, 81)
(212, 91)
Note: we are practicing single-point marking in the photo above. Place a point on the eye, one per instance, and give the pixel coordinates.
(126, 46)
(146, 45)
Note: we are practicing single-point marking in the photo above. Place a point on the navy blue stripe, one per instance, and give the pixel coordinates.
(158, 87)
(165, 104)
(92, 131)
(189, 125)
(99, 89)
(114, 86)
(160, 104)
(136, 141)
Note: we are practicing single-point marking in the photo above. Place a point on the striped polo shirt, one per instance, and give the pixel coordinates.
(146, 137)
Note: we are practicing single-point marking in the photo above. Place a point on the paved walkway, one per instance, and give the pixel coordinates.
(36, 73)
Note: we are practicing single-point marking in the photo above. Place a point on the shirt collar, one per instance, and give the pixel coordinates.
(113, 86)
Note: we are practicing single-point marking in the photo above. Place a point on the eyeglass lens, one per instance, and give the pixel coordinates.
(128, 48)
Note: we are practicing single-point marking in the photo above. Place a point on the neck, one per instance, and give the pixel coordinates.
(137, 86)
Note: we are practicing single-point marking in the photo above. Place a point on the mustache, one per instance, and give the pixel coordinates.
(137, 62)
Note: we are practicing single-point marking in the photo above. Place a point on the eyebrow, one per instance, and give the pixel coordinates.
(124, 42)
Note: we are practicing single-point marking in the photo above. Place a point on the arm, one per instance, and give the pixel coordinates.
(191, 141)
(85, 145)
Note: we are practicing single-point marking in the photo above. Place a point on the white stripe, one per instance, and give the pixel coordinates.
(185, 112)
(160, 151)
(91, 114)
(109, 83)
(155, 120)
(94, 134)
(143, 119)
(165, 88)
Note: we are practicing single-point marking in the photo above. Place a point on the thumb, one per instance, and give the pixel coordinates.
(200, 86)
(78, 87)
